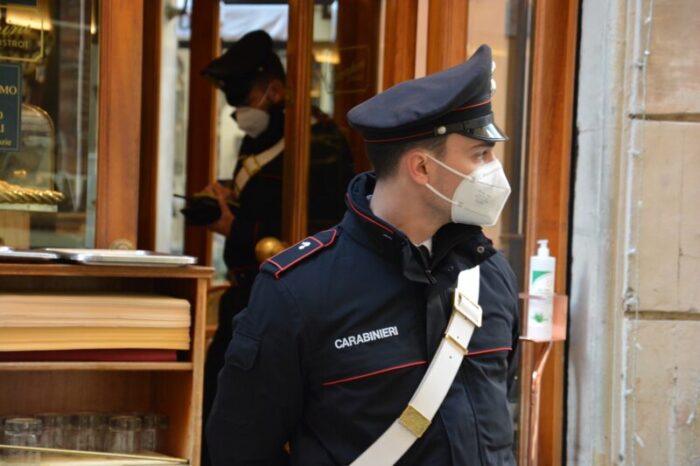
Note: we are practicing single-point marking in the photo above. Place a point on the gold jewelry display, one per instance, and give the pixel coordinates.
(14, 194)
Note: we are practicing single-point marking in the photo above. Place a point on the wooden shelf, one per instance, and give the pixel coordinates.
(173, 388)
(96, 366)
(57, 270)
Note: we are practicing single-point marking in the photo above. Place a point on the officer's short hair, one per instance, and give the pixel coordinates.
(385, 157)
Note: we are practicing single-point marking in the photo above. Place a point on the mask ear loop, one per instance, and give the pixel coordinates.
(450, 169)
(262, 99)
(440, 195)
(495, 164)
(458, 204)
(469, 178)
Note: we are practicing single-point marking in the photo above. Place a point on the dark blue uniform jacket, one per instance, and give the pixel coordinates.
(338, 335)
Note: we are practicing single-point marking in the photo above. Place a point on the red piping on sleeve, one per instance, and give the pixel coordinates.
(370, 374)
(403, 366)
(494, 350)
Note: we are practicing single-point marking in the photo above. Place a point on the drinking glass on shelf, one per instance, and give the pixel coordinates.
(153, 431)
(2, 425)
(123, 435)
(87, 431)
(55, 430)
(22, 431)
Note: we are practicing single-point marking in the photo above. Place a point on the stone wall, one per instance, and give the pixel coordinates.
(663, 324)
(634, 361)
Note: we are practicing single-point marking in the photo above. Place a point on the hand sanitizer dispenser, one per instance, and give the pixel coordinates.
(541, 290)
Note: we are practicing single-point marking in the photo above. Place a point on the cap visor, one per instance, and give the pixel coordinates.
(489, 132)
(216, 71)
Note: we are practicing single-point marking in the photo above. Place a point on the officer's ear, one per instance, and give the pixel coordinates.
(276, 91)
(415, 164)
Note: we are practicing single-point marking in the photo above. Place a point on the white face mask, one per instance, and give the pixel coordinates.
(252, 120)
(480, 196)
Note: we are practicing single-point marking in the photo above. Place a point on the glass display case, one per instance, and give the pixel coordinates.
(48, 115)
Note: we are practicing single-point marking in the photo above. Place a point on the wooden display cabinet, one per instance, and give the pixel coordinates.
(171, 388)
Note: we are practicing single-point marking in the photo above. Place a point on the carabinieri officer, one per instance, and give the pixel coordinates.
(389, 338)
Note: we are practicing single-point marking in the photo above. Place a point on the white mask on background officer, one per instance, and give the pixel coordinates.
(252, 120)
(243, 64)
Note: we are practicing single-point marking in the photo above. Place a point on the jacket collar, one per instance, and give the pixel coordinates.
(386, 240)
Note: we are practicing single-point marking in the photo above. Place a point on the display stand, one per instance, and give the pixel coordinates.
(171, 388)
(541, 349)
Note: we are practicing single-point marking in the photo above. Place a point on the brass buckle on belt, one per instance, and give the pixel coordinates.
(414, 421)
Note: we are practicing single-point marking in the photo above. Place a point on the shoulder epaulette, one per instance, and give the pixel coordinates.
(294, 255)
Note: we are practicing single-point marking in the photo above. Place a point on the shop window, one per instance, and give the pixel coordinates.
(343, 74)
(48, 151)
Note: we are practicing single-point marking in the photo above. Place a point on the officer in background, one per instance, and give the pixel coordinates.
(252, 78)
(364, 344)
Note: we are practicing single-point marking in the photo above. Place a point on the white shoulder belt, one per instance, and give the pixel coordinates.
(416, 418)
(252, 164)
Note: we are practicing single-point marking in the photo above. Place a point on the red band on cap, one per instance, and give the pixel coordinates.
(471, 106)
(402, 138)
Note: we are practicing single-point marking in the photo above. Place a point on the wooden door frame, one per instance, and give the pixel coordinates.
(201, 127)
(119, 122)
(150, 121)
(358, 31)
(297, 125)
(551, 126)
(447, 26)
(399, 57)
